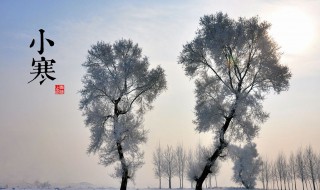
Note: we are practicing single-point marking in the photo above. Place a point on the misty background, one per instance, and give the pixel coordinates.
(43, 136)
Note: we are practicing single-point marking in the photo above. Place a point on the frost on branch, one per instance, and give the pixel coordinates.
(234, 63)
(130, 134)
(118, 89)
(169, 164)
(247, 164)
(197, 160)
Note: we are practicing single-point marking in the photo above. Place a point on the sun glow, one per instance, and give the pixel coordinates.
(292, 29)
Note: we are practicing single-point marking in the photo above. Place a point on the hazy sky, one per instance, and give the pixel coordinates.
(42, 135)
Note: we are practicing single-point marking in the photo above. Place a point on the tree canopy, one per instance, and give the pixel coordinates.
(235, 63)
(118, 88)
(247, 164)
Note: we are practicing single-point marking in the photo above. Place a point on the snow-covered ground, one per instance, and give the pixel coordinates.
(90, 188)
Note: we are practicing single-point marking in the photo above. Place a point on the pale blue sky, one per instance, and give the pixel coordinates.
(42, 135)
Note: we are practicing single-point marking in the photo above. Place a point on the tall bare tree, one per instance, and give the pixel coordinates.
(190, 164)
(157, 163)
(301, 170)
(275, 175)
(318, 170)
(281, 167)
(310, 162)
(235, 63)
(169, 164)
(288, 175)
(181, 163)
(293, 170)
(262, 176)
(265, 173)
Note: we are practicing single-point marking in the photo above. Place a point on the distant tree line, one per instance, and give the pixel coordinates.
(288, 172)
(172, 162)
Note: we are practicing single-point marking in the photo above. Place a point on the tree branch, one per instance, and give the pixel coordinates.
(217, 75)
(104, 93)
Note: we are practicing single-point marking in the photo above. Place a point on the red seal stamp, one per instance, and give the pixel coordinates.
(59, 89)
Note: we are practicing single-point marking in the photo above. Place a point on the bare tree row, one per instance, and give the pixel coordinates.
(299, 169)
(171, 162)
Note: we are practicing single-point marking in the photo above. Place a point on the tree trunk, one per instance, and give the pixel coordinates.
(216, 153)
(313, 182)
(310, 184)
(169, 182)
(182, 180)
(124, 167)
(295, 182)
(124, 180)
(159, 182)
(245, 185)
(215, 176)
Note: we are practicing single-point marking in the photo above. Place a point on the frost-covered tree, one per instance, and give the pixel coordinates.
(318, 170)
(286, 175)
(293, 170)
(301, 169)
(169, 164)
(157, 162)
(190, 164)
(42, 185)
(118, 88)
(281, 167)
(247, 164)
(198, 161)
(235, 64)
(262, 176)
(265, 173)
(310, 163)
(275, 177)
(181, 163)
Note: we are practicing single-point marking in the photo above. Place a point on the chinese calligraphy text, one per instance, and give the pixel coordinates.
(42, 67)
